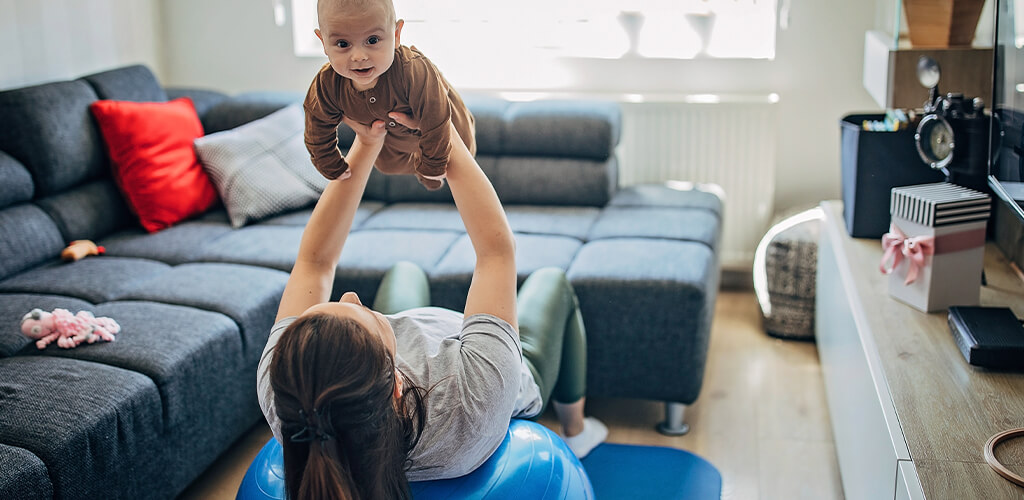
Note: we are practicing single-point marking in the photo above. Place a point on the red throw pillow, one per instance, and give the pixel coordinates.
(155, 164)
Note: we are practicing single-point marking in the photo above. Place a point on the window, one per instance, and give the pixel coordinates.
(535, 34)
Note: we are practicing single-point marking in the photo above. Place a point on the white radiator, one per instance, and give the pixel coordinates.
(730, 143)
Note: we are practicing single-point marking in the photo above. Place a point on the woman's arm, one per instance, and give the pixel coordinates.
(312, 277)
(493, 288)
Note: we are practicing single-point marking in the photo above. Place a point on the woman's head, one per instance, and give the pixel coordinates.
(344, 419)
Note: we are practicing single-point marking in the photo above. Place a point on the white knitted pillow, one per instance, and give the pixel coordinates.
(262, 168)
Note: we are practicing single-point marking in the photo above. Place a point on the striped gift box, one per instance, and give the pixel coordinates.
(939, 204)
(934, 250)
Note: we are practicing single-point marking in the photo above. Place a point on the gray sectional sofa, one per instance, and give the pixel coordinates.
(143, 416)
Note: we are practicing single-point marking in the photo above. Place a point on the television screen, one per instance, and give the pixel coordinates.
(1006, 159)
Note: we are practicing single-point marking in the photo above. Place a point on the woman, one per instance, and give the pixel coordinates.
(362, 403)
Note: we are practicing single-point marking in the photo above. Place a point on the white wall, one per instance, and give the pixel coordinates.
(45, 40)
(234, 45)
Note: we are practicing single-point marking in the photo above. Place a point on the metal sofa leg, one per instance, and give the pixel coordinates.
(673, 424)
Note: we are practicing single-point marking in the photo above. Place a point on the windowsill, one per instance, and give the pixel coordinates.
(671, 79)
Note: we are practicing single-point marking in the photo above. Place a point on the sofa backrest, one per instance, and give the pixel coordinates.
(57, 184)
(544, 152)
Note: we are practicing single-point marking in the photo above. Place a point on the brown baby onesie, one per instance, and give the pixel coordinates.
(413, 86)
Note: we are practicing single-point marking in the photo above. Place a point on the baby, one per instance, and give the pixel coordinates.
(370, 74)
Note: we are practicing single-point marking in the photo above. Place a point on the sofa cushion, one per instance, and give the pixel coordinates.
(17, 185)
(217, 214)
(555, 181)
(246, 294)
(368, 254)
(262, 168)
(273, 246)
(155, 164)
(449, 280)
(93, 426)
(95, 279)
(673, 194)
(438, 216)
(489, 115)
(181, 349)
(246, 107)
(70, 151)
(301, 217)
(28, 237)
(657, 222)
(405, 188)
(538, 219)
(14, 306)
(378, 250)
(562, 128)
(24, 475)
(377, 186)
(88, 211)
(204, 100)
(129, 83)
(642, 300)
(175, 245)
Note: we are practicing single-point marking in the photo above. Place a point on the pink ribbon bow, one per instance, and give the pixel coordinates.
(897, 245)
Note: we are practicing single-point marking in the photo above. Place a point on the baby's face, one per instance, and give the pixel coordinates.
(359, 45)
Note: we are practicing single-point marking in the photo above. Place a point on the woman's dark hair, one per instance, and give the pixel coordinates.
(345, 436)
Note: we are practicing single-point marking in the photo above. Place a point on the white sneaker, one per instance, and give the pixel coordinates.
(594, 433)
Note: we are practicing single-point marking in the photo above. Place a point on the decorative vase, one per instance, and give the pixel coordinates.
(942, 23)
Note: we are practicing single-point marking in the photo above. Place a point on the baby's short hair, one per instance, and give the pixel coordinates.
(359, 6)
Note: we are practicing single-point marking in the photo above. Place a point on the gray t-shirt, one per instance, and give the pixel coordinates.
(475, 375)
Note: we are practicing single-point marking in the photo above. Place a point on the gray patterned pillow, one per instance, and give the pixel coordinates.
(262, 168)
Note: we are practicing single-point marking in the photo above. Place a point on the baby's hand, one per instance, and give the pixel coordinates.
(371, 135)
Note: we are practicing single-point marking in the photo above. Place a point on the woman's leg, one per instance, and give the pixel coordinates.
(554, 347)
(404, 287)
(568, 396)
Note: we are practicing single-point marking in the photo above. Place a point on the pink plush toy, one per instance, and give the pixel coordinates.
(67, 329)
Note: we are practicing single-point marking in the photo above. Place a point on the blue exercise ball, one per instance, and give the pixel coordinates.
(531, 463)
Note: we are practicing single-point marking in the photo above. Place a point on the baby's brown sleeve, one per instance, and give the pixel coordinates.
(321, 133)
(428, 98)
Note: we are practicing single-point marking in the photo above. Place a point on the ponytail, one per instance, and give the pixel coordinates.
(322, 476)
(344, 435)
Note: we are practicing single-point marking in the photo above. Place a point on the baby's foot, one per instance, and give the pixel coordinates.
(431, 184)
(594, 433)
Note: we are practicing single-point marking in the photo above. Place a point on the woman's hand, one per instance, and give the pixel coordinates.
(405, 120)
(372, 135)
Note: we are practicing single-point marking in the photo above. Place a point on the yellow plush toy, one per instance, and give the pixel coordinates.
(80, 249)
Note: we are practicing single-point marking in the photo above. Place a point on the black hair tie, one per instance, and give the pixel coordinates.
(317, 430)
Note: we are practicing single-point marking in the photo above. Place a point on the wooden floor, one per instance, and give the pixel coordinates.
(761, 418)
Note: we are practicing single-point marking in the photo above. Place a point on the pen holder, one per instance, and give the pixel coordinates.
(872, 163)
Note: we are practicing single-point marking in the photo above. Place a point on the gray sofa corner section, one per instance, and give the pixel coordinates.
(196, 301)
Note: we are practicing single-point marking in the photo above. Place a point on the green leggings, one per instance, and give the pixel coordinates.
(550, 325)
